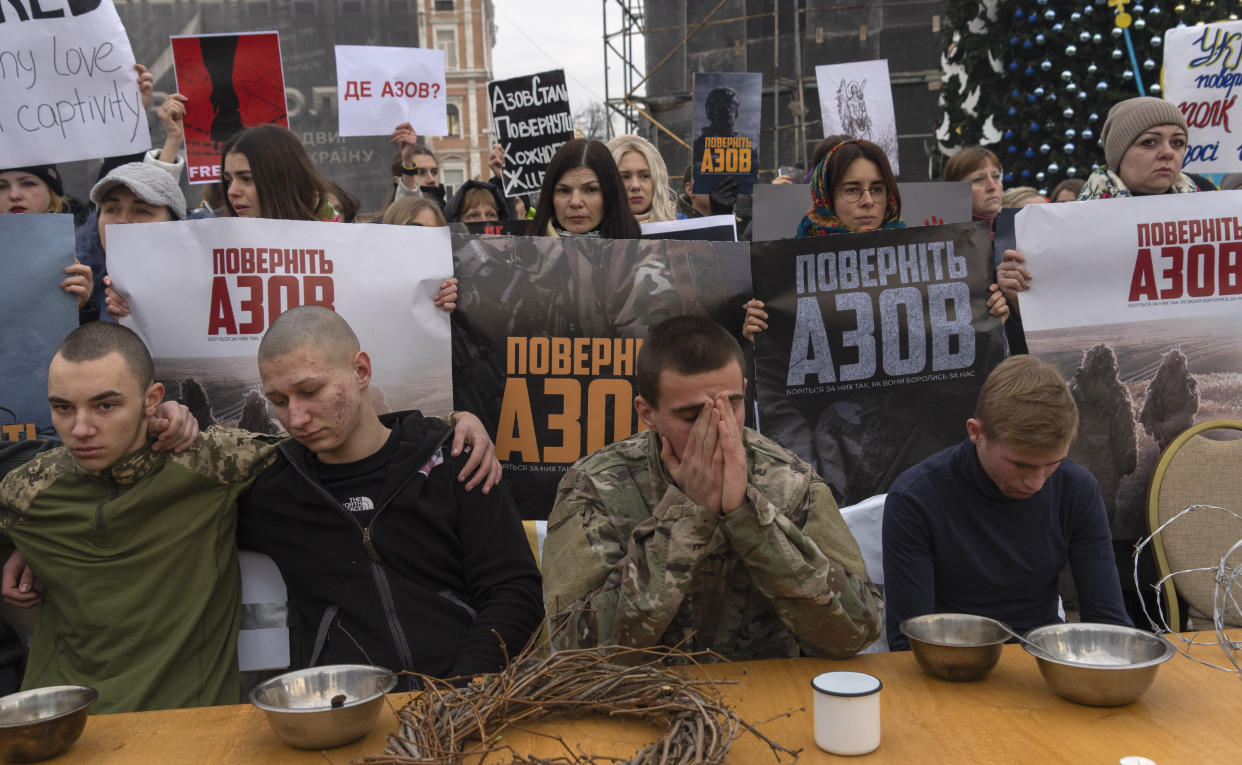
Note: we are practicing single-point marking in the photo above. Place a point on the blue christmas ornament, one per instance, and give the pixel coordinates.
(1026, 174)
(1013, 41)
(1034, 127)
(1031, 19)
(1030, 99)
(1012, 111)
(1030, 71)
(1015, 93)
(1027, 45)
(1013, 66)
(1019, 13)
(1029, 154)
(1012, 149)
(1008, 177)
(1008, 135)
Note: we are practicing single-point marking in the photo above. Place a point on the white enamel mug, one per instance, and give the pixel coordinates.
(847, 712)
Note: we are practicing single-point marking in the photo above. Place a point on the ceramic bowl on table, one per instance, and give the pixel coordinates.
(1101, 665)
(957, 647)
(43, 722)
(324, 707)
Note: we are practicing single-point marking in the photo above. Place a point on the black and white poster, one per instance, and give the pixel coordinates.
(546, 338)
(726, 129)
(856, 99)
(531, 120)
(877, 344)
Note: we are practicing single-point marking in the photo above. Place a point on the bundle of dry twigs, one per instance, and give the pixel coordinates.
(614, 681)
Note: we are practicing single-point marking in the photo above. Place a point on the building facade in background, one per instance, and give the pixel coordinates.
(465, 30)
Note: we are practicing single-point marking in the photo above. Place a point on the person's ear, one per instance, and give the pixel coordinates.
(974, 428)
(362, 369)
(153, 398)
(645, 412)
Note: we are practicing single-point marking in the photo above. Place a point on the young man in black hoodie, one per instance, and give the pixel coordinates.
(388, 559)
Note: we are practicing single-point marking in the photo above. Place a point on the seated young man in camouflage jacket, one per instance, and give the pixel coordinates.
(700, 532)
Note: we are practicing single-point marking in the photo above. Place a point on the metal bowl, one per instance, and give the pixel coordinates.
(957, 647)
(323, 707)
(1101, 665)
(43, 722)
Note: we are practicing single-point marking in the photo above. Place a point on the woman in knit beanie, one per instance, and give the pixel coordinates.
(1144, 145)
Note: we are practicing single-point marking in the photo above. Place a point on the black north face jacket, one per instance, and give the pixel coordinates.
(432, 585)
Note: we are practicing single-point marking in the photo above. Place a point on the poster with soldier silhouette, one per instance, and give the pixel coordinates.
(856, 99)
(202, 306)
(37, 314)
(231, 82)
(547, 333)
(727, 110)
(876, 346)
(1139, 302)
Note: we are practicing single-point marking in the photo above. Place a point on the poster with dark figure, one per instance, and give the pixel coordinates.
(877, 344)
(547, 332)
(726, 129)
(37, 314)
(531, 120)
(231, 82)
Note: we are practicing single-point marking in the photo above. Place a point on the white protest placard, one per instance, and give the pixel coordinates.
(203, 305)
(1138, 301)
(711, 228)
(1113, 261)
(1203, 77)
(68, 88)
(378, 88)
(856, 99)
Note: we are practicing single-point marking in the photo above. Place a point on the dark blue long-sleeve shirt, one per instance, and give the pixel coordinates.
(954, 543)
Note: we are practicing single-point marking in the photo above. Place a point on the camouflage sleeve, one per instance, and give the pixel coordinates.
(229, 455)
(814, 574)
(602, 587)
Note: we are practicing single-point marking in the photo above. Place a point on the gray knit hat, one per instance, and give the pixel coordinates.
(1128, 119)
(149, 183)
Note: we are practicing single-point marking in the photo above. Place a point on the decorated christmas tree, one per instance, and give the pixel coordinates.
(1033, 80)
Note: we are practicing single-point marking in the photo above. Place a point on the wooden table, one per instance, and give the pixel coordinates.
(1189, 715)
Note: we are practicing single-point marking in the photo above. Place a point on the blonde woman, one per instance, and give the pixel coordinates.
(645, 177)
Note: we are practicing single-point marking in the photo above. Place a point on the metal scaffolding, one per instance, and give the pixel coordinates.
(619, 57)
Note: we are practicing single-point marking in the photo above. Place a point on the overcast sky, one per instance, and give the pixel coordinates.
(537, 35)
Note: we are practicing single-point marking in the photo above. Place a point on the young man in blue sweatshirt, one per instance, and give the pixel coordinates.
(986, 526)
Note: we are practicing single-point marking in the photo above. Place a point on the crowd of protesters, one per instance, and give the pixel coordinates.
(685, 480)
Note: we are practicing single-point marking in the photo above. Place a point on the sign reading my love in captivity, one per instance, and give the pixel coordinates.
(531, 120)
(547, 333)
(68, 88)
(378, 88)
(876, 346)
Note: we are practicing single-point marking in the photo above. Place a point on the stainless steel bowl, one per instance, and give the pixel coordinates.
(43, 722)
(957, 647)
(323, 707)
(1101, 665)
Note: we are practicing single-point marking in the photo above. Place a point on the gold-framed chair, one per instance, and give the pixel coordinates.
(1195, 470)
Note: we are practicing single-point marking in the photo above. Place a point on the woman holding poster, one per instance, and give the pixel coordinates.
(582, 195)
(266, 174)
(1144, 144)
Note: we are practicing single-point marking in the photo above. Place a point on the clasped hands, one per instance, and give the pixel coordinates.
(711, 469)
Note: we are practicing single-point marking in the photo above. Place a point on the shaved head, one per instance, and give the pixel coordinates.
(313, 325)
(97, 339)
